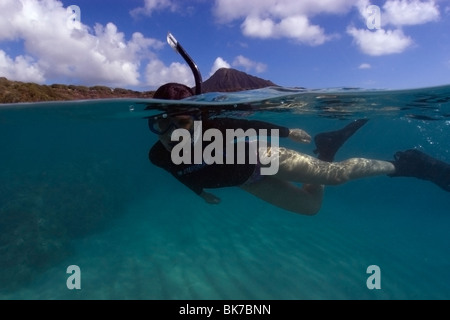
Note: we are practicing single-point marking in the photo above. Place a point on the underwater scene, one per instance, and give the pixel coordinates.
(77, 189)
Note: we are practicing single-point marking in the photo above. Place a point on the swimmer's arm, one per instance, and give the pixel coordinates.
(297, 135)
(232, 123)
(208, 197)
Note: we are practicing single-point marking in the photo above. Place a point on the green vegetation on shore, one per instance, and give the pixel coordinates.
(16, 91)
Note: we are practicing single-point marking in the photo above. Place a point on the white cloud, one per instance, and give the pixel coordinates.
(219, 63)
(254, 26)
(364, 66)
(294, 27)
(238, 62)
(397, 14)
(58, 51)
(291, 19)
(400, 13)
(282, 18)
(409, 12)
(20, 69)
(157, 74)
(8, 25)
(249, 65)
(230, 10)
(151, 6)
(380, 42)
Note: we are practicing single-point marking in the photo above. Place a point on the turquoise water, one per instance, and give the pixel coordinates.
(77, 189)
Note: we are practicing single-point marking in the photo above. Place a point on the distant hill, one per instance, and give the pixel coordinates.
(16, 91)
(223, 80)
(229, 80)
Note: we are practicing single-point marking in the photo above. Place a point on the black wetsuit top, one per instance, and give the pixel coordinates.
(199, 176)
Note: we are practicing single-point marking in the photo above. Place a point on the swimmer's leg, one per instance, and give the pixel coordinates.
(298, 167)
(279, 190)
(414, 163)
(305, 200)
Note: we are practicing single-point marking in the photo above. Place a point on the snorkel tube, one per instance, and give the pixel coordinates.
(178, 48)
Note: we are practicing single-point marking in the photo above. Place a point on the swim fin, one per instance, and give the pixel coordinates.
(328, 143)
(414, 163)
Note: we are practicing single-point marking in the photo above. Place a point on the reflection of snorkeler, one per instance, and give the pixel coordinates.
(294, 167)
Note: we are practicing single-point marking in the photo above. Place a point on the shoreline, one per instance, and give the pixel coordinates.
(22, 92)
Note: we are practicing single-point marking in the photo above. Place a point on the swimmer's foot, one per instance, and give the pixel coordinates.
(414, 163)
(328, 143)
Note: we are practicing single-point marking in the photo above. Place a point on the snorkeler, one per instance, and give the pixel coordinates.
(294, 167)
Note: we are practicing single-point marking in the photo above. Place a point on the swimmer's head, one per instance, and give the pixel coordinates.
(174, 118)
(173, 91)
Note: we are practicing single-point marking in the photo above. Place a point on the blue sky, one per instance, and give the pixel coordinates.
(310, 43)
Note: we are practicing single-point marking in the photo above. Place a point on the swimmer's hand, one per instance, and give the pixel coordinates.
(299, 135)
(210, 198)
